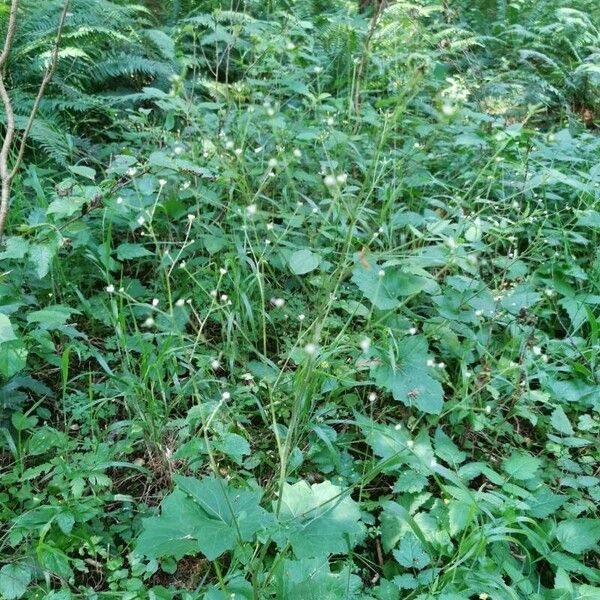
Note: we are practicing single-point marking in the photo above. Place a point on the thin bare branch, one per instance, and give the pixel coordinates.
(10, 33)
(7, 174)
(50, 69)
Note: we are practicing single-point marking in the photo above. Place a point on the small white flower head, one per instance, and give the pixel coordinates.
(213, 293)
(178, 150)
(223, 271)
(441, 365)
(224, 297)
(398, 426)
(191, 217)
(185, 185)
(380, 230)
(272, 163)
(315, 210)
(229, 145)
(258, 149)
(372, 397)
(290, 46)
(162, 182)
(155, 302)
(131, 171)
(488, 409)
(537, 350)
(330, 121)
(270, 226)
(225, 396)
(301, 317)
(247, 377)
(110, 288)
(341, 178)
(182, 264)
(119, 200)
(310, 349)
(149, 322)
(430, 362)
(413, 331)
(329, 180)
(478, 312)
(121, 290)
(277, 302)
(381, 273)
(544, 358)
(550, 293)
(251, 210)
(318, 69)
(267, 242)
(215, 365)
(270, 111)
(297, 152)
(238, 151)
(468, 374)
(180, 302)
(409, 443)
(365, 344)
(451, 243)
(433, 463)
(141, 220)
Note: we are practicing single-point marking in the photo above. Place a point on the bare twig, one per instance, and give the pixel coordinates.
(7, 173)
(379, 6)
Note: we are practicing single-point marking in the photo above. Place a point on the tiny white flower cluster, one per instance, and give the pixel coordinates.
(334, 180)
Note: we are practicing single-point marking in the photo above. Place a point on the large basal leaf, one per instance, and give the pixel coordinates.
(202, 515)
(6, 330)
(385, 287)
(318, 520)
(408, 378)
(522, 465)
(304, 261)
(311, 579)
(14, 580)
(578, 535)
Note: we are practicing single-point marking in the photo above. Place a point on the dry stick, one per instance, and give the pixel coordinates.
(7, 174)
(379, 6)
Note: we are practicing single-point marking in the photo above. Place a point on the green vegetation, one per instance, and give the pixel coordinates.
(300, 300)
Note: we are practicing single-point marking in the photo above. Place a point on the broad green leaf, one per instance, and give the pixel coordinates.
(202, 515)
(14, 580)
(129, 251)
(13, 358)
(522, 465)
(120, 163)
(233, 445)
(408, 378)
(410, 553)
(66, 207)
(304, 261)
(544, 503)
(446, 449)
(83, 172)
(15, 247)
(459, 515)
(311, 579)
(51, 317)
(6, 329)
(41, 256)
(318, 520)
(561, 422)
(578, 535)
(385, 287)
